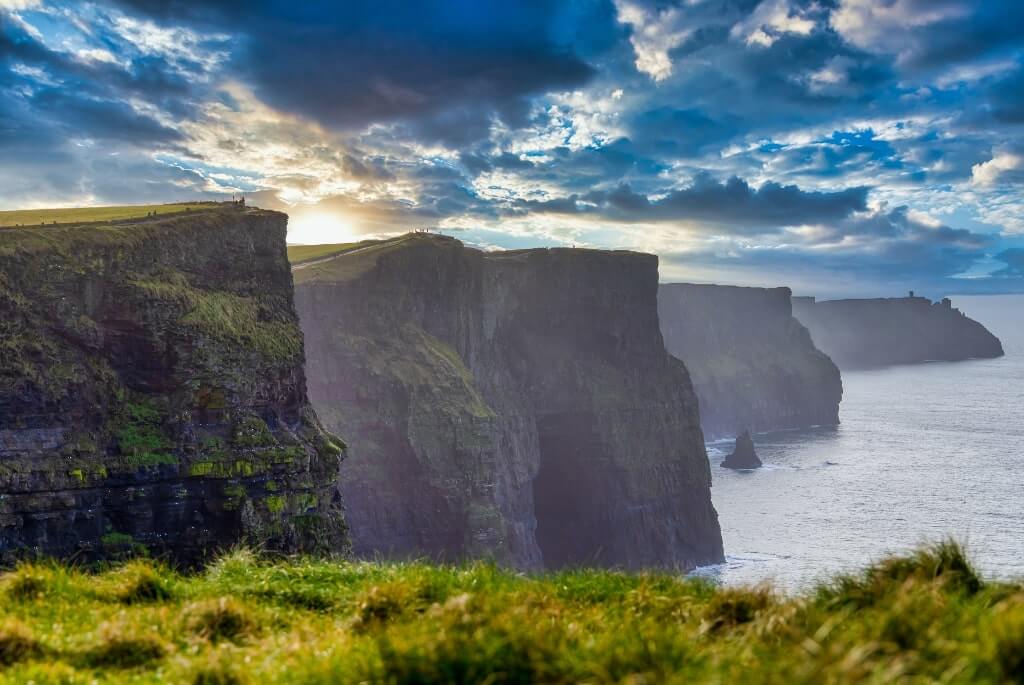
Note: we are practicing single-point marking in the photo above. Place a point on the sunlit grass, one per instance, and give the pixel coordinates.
(297, 254)
(69, 215)
(926, 617)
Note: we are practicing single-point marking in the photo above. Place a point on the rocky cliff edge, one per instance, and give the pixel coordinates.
(152, 394)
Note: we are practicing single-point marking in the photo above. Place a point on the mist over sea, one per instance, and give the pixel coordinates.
(923, 452)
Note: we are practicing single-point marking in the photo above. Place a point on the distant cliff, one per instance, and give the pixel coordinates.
(753, 365)
(152, 392)
(904, 330)
(516, 405)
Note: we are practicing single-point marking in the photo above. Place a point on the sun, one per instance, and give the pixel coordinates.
(318, 228)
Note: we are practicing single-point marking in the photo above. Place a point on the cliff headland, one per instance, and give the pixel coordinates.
(753, 365)
(152, 392)
(518, 405)
(901, 330)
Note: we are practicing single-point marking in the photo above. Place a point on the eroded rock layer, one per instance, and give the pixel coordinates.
(753, 365)
(516, 405)
(900, 330)
(152, 392)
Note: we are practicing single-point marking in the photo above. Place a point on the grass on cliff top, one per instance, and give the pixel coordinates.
(348, 264)
(359, 258)
(70, 215)
(920, 618)
(299, 254)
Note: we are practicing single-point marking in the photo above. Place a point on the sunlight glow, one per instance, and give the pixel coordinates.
(316, 228)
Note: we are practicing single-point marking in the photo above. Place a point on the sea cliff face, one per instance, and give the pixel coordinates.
(152, 392)
(516, 405)
(754, 366)
(885, 331)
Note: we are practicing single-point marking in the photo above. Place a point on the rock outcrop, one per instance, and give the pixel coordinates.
(152, 392)
(743, 455)
(886, 331)
(752, 364)
(517, 405)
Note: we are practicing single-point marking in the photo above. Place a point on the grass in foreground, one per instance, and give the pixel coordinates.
(70, 215)
(921, 618)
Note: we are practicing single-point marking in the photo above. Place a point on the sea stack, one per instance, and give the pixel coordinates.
(518, 406)
(743, 456)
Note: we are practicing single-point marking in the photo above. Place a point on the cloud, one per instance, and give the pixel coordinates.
(15, 5)
(655, 33)
(770, 20)
(883, 26)
(100, 119)
(448, 68)
(733, 203)
(766, 140)
(877, 252)
(930, 33)
(1004, 97)
(1014, 261)
(1003, 167)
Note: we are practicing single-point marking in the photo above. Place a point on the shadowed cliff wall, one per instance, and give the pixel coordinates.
(518, 405)
(754, 366)
(885, 331)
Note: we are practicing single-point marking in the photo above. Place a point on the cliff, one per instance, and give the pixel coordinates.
(516, 405)
(886, 331)
(753, 365)
(152, 391)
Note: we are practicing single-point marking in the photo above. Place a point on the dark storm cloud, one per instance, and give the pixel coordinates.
(671, 131)
(413, 114)
(876, 254)
(51, 97)
(444, 68)
(984, 29)
(149, 76)
(1014, 260)
(100, 119)
(731, 203)
(1005, 97)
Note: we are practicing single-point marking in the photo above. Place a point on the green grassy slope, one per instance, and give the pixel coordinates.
(343, 265)
(922, 618)
(297, 254)
(69, 215)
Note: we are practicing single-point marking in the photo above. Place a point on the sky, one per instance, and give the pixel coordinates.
(840, 147)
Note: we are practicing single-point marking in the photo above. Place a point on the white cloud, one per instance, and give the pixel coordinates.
(833, 78)
(770, 20)
(969, 73)
(882, 26)
(655, 34)
(923, 218)
(179, 46)
(16, 5)
(988, 173)
(97, 55)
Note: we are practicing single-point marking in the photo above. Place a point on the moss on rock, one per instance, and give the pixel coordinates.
(141, 360)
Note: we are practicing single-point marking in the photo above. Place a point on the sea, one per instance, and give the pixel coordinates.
(923, 453)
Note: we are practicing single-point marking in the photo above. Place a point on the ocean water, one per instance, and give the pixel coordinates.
(923, 452)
